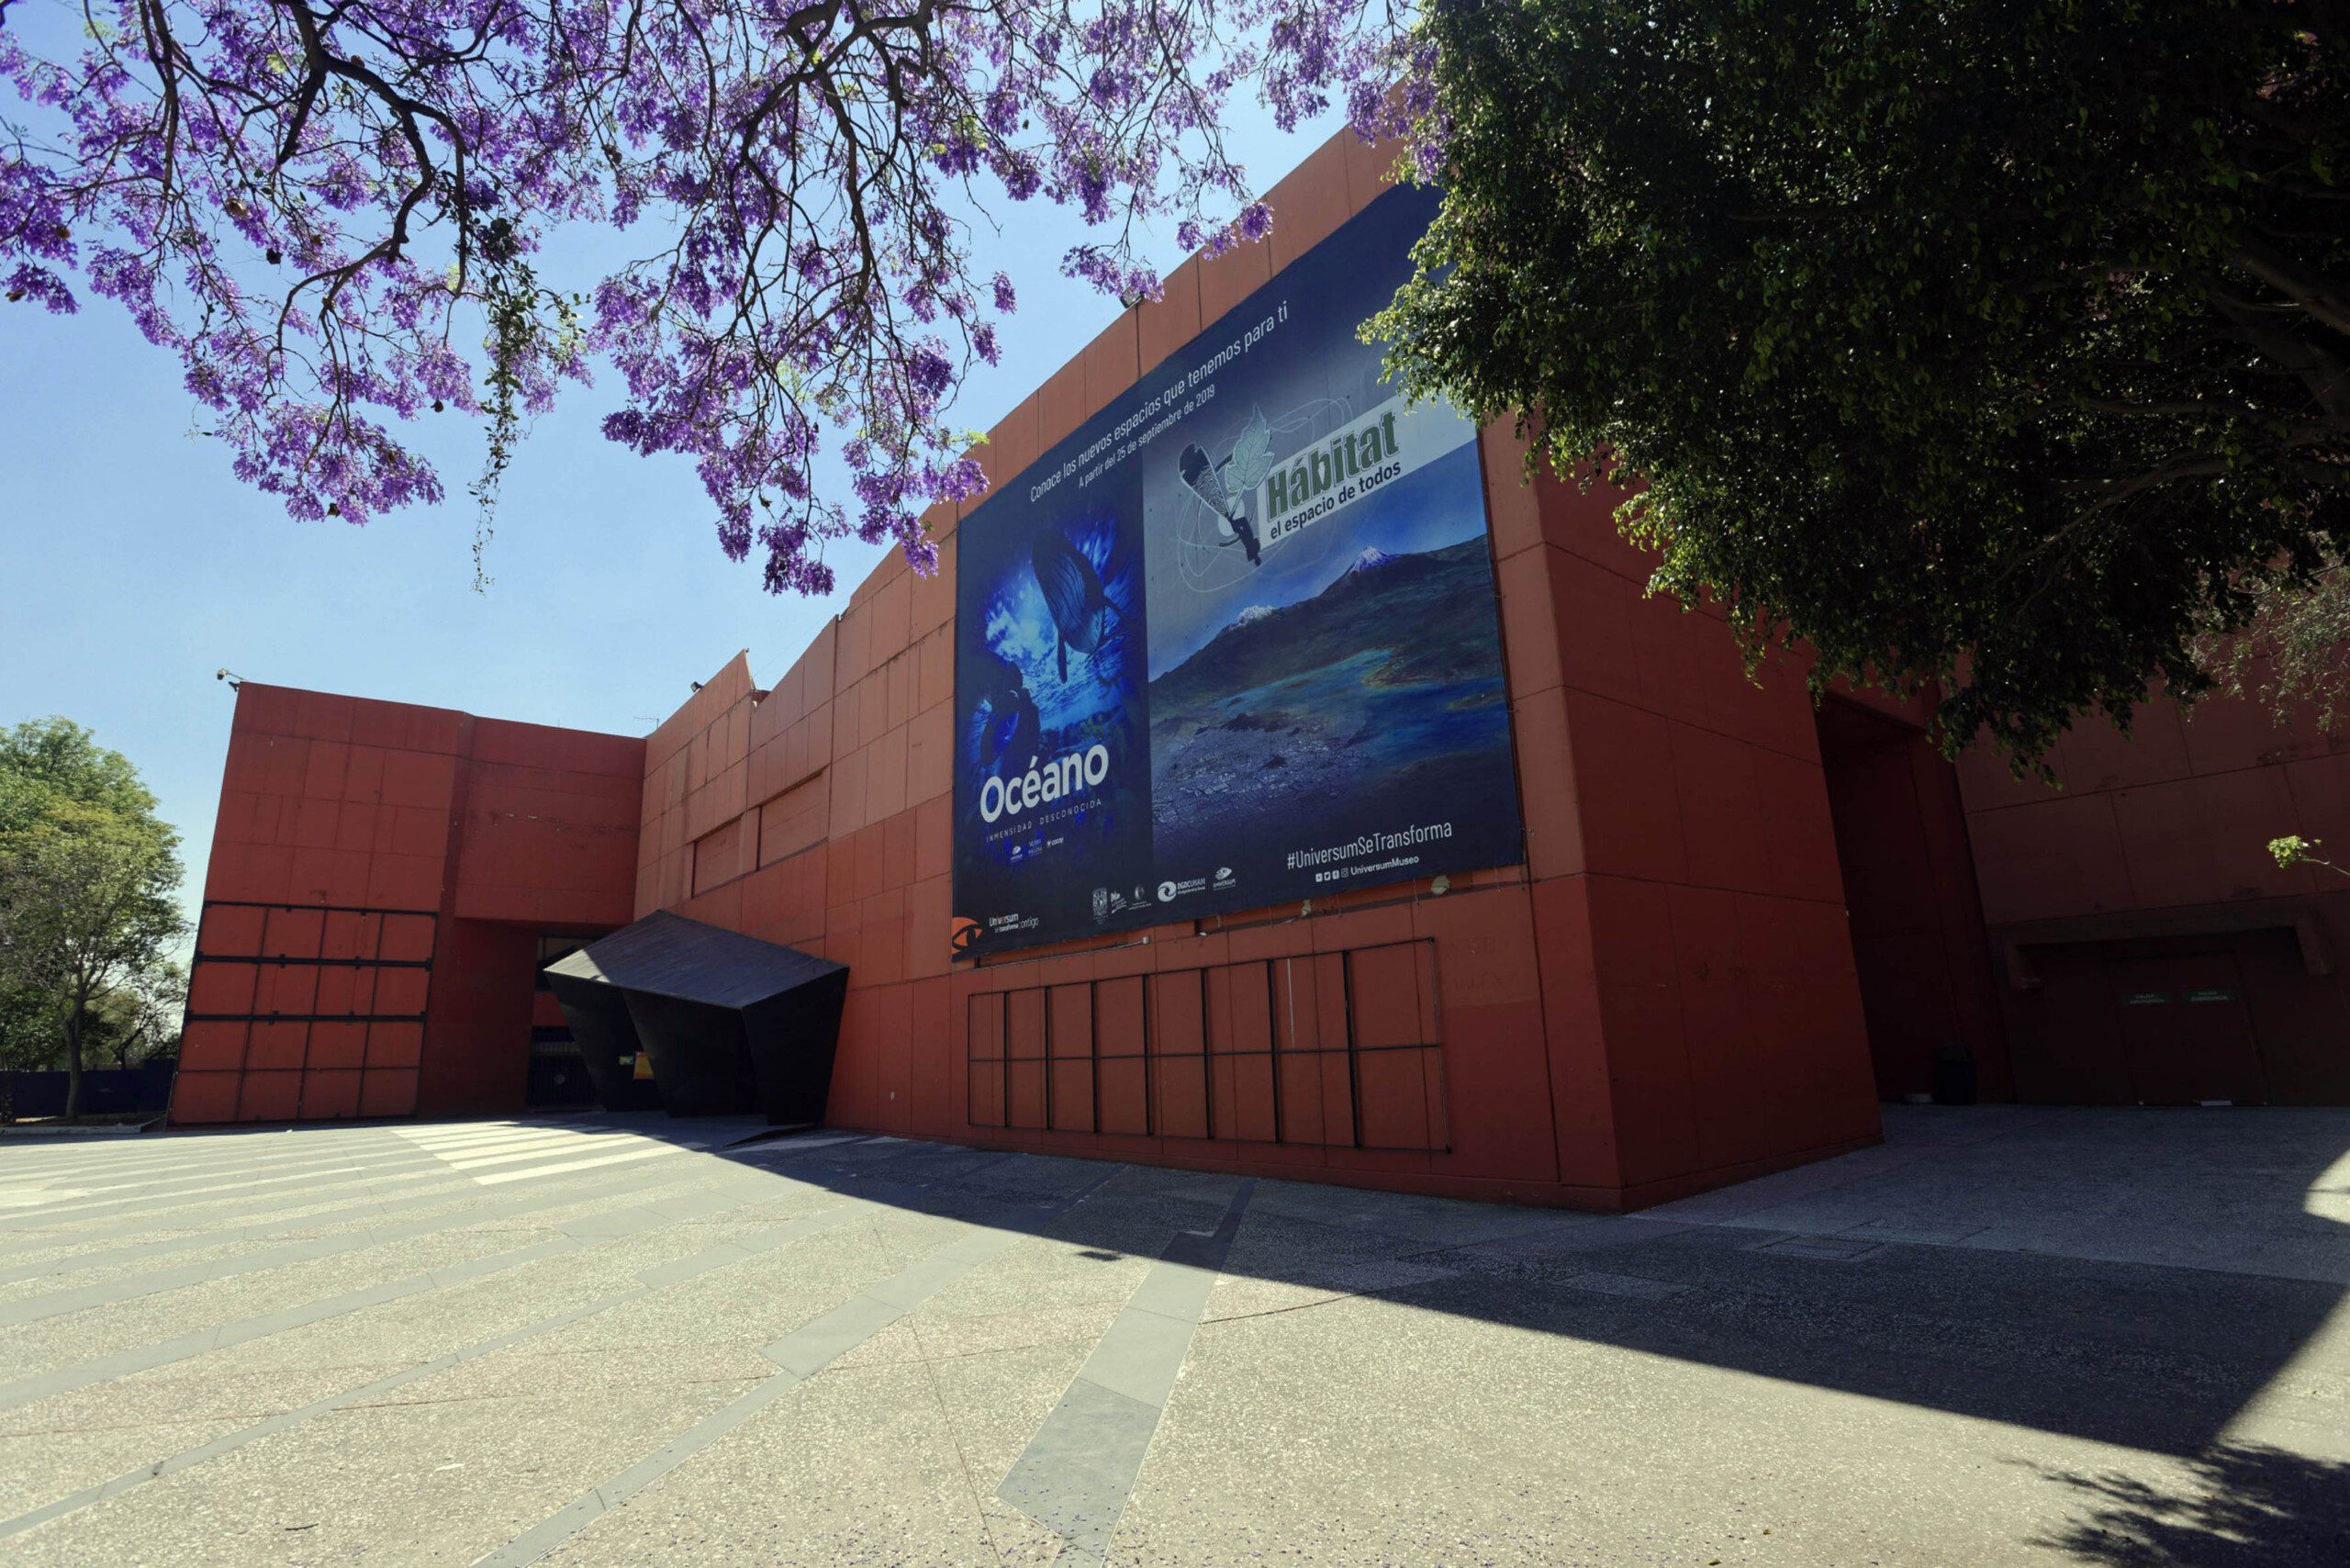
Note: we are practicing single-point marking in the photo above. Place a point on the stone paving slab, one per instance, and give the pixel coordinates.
(2008, 1336)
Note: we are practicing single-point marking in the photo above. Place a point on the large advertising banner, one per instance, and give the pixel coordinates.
(1234, 643)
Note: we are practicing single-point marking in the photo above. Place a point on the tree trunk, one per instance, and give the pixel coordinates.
(73, 1062)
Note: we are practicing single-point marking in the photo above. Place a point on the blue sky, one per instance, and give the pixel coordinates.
(134, 567)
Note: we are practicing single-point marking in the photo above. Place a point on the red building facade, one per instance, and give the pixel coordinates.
(1661, 996)
(382, 878)
(1741, 919)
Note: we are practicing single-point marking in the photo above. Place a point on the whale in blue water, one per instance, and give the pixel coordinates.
(1081, 608)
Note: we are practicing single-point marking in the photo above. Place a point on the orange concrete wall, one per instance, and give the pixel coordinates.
(379, 873)
(1662, 998)
(2176, 814)
(1686, 888)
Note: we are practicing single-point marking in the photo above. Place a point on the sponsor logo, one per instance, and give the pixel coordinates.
(1100, 905)
(1166, 892)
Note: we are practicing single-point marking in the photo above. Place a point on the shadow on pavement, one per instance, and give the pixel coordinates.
(2146, 1314)
(2250, 1505)
(2158, 1356)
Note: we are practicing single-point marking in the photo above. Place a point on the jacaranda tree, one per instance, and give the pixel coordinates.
(344, 214)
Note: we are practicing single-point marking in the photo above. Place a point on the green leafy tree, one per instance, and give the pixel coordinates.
(2293, 651)
(87, 878)
(1998, 343)
(29, 1039)
(45, 760)
(139, 1021)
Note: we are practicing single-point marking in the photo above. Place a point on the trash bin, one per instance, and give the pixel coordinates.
(1953, 1075)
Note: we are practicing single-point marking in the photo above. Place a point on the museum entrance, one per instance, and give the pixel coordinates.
(2210, 1018)
(558, 1078)
(1916, 918)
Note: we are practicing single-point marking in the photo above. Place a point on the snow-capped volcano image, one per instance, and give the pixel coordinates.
(1378, 694)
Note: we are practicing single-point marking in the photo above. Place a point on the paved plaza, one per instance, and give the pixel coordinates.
(2007, 1336)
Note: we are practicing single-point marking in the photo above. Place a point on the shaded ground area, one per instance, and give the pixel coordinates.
(2007, 1336)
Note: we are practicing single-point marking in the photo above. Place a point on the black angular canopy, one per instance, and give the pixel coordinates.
(727, 1023)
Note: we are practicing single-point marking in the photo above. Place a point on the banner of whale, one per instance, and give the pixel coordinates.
(1234, 643)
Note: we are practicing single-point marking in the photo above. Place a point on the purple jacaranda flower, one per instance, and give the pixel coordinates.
(801, 267)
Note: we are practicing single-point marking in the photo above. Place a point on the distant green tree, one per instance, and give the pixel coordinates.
(139, 1020)
(1998, 343)
(127, 1025)
(87, 878)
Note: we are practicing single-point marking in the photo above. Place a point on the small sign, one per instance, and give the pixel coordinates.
(2211, 996)
(2147, 999)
